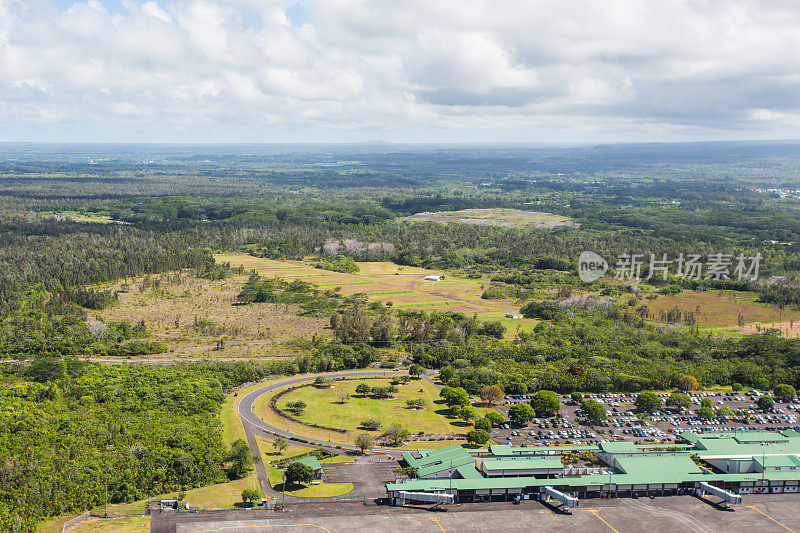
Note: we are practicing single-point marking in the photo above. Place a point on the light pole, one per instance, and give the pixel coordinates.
(105, 512)
(283, 491)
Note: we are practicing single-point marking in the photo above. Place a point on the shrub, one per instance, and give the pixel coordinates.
(477, 436)
(521, 413)
(416, 403)
(765, 403)
(648, 402)
(371, 424)
(297, 407)
(251, 495)
(484, 423)
(595, 412)
(545, 403)
(299, 473)
(495, 418)
(679, 399)
(396, 434)
(785, 393)
(364, 441)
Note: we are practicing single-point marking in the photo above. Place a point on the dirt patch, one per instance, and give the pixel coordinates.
(186, 312)
(495, 217)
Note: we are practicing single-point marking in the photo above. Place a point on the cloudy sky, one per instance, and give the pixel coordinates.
(399, 70)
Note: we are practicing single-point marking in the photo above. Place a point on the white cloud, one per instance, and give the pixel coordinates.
(413, 70)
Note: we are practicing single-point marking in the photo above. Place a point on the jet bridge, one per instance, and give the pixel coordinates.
(726, 496)
(436, 498)
(566, 499)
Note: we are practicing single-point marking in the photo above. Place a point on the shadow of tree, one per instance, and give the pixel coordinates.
(290, 486)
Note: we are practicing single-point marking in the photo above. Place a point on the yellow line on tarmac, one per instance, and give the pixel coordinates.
(787, 528)
(437, 523)
(601, 519)
(393, 520)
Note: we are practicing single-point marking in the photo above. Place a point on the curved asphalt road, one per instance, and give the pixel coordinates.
(250, 422)
(249, 417)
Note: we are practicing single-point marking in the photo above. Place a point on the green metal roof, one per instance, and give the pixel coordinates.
(756, 436)
(669, 462)
(560, 449)
(433, 457)
(431, 485)
(310, 461)
(468, 472)
(445, 465)
(501, 449)
(778, 461)
(689, 436)
(542, 462)
(619, 447)
(731, 447)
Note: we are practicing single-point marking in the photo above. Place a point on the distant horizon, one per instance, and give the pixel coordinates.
(446, 72)
(404, 143)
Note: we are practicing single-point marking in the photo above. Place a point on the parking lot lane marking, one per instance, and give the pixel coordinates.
(438, 523)
(787, 528)
(594, 512)
(264, 527)
(393, 520)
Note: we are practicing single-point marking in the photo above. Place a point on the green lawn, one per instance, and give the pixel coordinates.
(275, 474)
(54, 524)
(432, 444)
(323, 407)
(231, 423)
(220, 495)
(115, 525)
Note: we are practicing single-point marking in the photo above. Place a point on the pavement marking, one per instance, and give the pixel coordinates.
(594, 512)
(787, 528)
(438, 523)
(393, 520)
(690, 521)
(250, 527)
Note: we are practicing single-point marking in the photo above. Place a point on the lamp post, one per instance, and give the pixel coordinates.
(283, 488)
(105, 512)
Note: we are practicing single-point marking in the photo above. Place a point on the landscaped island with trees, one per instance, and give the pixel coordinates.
(225, 266)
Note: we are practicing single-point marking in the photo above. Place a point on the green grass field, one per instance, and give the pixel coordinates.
(404, 286)
(269, 454)
(720, 310)
(217, 496)
(115, 525)
(323, 407)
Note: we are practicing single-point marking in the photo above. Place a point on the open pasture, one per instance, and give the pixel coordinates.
(494, 217)
(185, 312)
(721, 310)
(325, 408)
(384, 281)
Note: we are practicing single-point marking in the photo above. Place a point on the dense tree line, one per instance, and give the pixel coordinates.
(591, 352)
(65, 425)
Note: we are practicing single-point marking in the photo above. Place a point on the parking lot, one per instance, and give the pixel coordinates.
(624, 424)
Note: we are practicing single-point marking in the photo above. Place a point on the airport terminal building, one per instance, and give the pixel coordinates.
(741, 462)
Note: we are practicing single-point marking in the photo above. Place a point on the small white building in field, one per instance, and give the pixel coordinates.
(433, 278)
(513, 315)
